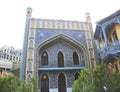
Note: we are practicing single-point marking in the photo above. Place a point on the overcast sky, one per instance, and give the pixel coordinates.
(13, 14)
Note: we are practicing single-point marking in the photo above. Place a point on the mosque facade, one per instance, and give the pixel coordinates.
(55, 51)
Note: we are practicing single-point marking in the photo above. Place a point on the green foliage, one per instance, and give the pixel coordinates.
(24, 87)
(29, 87)
(100, 74)
(34, 83)
(101, 77)
(12, 83)
(115, 82)
(9, 83)
(83, 84)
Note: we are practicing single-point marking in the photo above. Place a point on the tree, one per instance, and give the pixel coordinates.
(34, 83)
(100, 75)
(29, 87)
(24, 87)
(83, 84)
(12, 83)
(115, 81)
(103, 77)
(9, 83)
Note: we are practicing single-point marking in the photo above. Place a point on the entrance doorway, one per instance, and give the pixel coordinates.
(44, 83)
(61, 83)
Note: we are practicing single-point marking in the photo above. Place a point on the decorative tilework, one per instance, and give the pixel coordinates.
(44, 34)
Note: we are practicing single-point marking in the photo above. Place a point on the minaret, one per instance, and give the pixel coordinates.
(25, 44)
(88, 18)
(29, 12)
(90, 42)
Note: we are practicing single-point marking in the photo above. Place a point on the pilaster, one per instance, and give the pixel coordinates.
(89, 40)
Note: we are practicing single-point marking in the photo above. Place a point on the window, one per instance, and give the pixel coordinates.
(43, 24)
(29, 77)
(10, 57)
(77, 76)
(30, 66)
(4, 55)
(58, 25)
(7, 56)
(19, 59)
(63, 25)
(30, 53)
(73, 25)
(16, 58)
(60, 59)
(38, 24)
(13, 58)
(44, 58)
(82, 26)
(5, 51)
(53, 25)
(48, 24)
(68, 25)
(91, 53)
(89, 43)
(75, 59)
(77, 25)
(88, 35)
(115, 36)
(31, 43)
(31, 33)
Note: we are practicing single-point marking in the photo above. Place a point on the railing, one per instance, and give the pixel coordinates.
(59, 68)
(112, 48)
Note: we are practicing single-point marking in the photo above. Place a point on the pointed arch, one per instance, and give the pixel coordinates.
(61, 83)
(44, 58)
(60, 59)
(44, 83)
(75, 59)
(76, 76)
(65, 39)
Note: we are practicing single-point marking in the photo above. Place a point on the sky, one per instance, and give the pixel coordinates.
(13, 14)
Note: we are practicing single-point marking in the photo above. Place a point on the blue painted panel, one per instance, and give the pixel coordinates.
(43, 34)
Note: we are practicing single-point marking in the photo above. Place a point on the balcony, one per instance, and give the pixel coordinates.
(112, 48)
(60, 68)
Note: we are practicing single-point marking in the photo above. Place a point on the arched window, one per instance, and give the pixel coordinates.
(30, 66)
(30, 54)
(75, 59)
(29, 77)
(61, 83)
(32, 33)
(44, 83)
(60, 59)
(76, 75)
(44, 58)
(31, 43)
